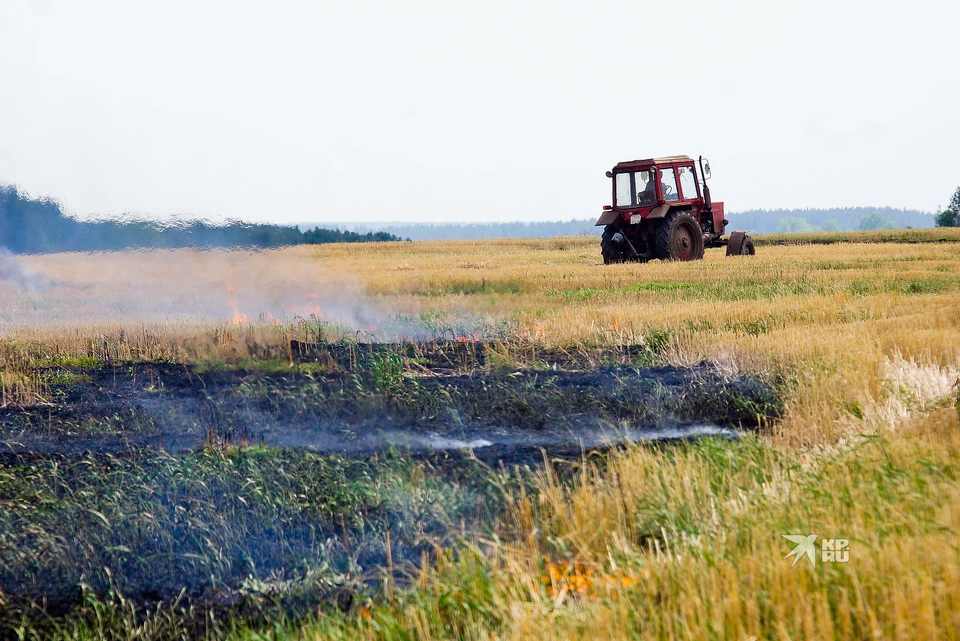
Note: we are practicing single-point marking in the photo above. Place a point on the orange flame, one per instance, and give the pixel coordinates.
(581, 580)
(531, 333)
(238, 317)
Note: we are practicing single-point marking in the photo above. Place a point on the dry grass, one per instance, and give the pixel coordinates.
(830, 317)
(688, 545)
(675, 544)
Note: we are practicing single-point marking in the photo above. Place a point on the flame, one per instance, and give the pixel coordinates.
(468, 339)
(580, 579)
(238, 317)
(531, 333)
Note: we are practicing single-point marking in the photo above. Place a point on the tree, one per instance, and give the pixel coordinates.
(831, 224)
(876, 221)
(793, 225)
(950, 217)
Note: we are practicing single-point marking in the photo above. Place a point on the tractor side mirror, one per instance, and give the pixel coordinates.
(705, 168)
(609, 174)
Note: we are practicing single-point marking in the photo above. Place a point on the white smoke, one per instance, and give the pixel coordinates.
(240, 287)
(15, 275)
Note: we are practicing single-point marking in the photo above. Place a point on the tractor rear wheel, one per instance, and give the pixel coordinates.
(679, 237)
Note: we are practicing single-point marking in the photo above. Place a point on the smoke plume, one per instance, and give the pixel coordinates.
(15, 275)
(238, 287)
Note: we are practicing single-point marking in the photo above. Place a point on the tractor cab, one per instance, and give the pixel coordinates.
(662, 209)
(652, 185)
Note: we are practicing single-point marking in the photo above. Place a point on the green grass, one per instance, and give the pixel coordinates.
(763, 288)
(938, 235)
(239, 522)
(471, 287)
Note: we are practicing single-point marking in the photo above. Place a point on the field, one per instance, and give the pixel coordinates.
(492, 439)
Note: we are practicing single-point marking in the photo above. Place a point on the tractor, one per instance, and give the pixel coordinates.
(662, 209)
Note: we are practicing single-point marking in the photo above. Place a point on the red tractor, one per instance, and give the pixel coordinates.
(662, 209)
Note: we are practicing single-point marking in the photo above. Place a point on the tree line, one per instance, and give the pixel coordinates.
(32, 225)
(804, 221)
(471, 231)
(39, 225)
(758, 221)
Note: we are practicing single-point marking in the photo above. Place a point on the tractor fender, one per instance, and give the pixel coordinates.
(607, 218)
(659, 212)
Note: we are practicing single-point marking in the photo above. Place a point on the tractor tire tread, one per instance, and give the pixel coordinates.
(666, 229)
(607, 249)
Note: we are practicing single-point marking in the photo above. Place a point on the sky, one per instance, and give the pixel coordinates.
(495, 111)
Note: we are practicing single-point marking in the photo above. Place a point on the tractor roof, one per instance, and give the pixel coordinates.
(634, 164)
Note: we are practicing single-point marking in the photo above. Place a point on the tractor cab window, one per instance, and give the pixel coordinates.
(636, 189)
(688, 183)
(669, 184)
(646, 188)
(624, 190)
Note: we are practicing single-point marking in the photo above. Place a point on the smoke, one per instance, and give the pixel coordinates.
(15, 275)
(239, 287)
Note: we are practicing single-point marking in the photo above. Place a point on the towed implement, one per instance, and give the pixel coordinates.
(662, 209)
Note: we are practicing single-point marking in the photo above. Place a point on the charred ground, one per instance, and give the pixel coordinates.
(359, 399)
(277, 480)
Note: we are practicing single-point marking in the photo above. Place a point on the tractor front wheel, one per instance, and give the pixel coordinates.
(679, 237)
(608, 248)
(740, 244)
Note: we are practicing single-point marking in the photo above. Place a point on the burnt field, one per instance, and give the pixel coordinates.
(481, 440)
(359, 399)
(279, 483)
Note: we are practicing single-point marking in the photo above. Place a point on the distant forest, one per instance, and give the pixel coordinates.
(800, 221)
(758, 221)
(455, 231)
(31, 225)
(37, 226)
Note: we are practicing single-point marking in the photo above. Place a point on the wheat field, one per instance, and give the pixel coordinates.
(654, 543)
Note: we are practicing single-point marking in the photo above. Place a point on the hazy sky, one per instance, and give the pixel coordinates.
(415, 111)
